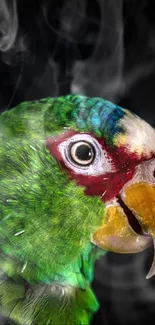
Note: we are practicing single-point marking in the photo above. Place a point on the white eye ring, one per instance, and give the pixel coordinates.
(82, 153)
(99, 163)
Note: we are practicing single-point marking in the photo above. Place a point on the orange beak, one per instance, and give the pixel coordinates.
(118, 233)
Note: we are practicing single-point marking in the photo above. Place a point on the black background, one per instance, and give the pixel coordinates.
(98, 48)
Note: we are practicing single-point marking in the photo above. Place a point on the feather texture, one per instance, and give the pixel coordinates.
(46, 258)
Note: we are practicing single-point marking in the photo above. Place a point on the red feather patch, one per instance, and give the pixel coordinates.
(107, 185)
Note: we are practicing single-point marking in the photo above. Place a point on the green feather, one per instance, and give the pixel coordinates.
(46, 221)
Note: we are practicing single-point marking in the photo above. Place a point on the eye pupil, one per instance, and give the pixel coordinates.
(82, 153)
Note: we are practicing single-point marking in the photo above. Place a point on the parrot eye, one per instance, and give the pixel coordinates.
(82, 153)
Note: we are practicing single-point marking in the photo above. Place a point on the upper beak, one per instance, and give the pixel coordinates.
(118, 233)
(140, 197)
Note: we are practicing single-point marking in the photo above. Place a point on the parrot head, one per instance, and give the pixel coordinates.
(114, 160)
(75, 169)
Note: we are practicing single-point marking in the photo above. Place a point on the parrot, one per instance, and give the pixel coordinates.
(77, 179)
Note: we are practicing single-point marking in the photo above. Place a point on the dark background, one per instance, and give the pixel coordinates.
(98, 48)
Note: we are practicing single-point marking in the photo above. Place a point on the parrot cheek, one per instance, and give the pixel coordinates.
(117, 235)
(140, 198)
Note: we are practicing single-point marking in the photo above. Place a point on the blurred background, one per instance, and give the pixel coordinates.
(103, 48)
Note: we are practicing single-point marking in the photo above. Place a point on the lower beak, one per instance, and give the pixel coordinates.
(117, 233)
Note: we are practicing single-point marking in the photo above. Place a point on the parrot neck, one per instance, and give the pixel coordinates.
(80, 272)
(74, 293)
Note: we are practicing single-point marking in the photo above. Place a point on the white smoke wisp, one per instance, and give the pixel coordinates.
(72, 18)
(126, 278)
(101, 74)
(121, 283)
(8, 24)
